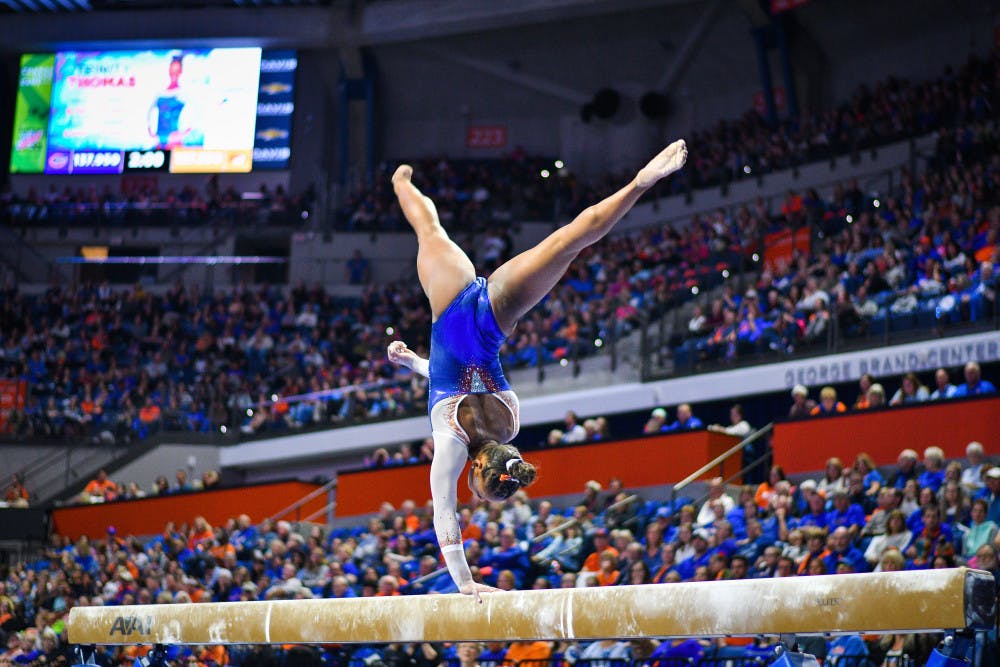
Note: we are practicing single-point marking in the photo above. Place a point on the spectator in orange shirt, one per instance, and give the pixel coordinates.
(520, 651)
(222, 547)
(609, 574)
(828, 403)
(864, 384)
(17, 495)
(602, 543)
(150, 413)
(100, 488)
(201, 532)
(470, 530)
(213, 656)
(388, 586)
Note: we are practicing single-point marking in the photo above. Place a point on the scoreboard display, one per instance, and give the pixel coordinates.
(178, 111)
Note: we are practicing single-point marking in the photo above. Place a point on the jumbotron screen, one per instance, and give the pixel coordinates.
(182, 111)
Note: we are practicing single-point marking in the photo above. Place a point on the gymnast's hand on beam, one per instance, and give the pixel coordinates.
(474, 589)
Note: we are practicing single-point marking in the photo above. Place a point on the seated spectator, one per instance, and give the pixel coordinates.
(828, 403)
(816, 515)
(508, 555)
(896, 536)
(906, 468)
(871, 478)
(738, 426)
(865, 383)
(802, 405)
(716, 493)
(657, 420)
(534, 652)
(766, 489)
(933, 475)
(847, 651)
(889, 499)
(934, 539)
(686, 421)
(815, 549)
(842, 551)
(876, 397)
(980, 529)
(991, 493)
(845, 515)
(833, 478)
(574, 432)
(911, 390)
(972, 475)
(100, 488)
(974, 385)
(17, 495)
(943, 386)
(597, 654)
(700, 555)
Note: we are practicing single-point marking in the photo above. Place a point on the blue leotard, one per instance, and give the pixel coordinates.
(465, 347)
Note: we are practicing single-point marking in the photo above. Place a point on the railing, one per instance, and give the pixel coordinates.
(413, 585)
(301, 502)
(689, 355)
(737, 448)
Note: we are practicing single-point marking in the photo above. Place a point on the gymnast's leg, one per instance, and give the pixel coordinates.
(519, 284)
(442, 266)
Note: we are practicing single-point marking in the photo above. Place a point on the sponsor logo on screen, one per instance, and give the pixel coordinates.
(276, 88)
(58, 161)
(272, 134)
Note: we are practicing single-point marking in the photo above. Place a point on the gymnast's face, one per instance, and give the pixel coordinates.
(476, 478)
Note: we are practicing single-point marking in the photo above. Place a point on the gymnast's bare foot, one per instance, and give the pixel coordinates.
(404, 172)
(667, 162)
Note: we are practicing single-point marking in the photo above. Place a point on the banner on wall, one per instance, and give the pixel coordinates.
(12, 397)
(779, 247)
(486, 136)
(31, 113)
(272, 147)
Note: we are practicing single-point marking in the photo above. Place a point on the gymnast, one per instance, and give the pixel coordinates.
(472, 408)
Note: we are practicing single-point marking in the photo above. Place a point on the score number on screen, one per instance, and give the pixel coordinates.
(146, 160)
(110, 160)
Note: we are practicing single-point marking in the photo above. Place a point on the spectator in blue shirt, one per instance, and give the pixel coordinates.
(686, 421)
(508, 556)
(845, 515)
(907, 463)
(933, 474)
(945, 389)
(974, 384)
(844, 551)
(816, 516)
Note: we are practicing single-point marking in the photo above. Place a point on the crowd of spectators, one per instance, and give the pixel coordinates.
(476, 194)
(921, 256)
(103, 489)
(872, 395)
(854, 518)
(143, 202)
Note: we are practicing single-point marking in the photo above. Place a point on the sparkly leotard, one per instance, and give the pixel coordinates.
(465, 347)
(465, 357)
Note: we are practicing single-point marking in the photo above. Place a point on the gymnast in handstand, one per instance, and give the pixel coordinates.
(472, 407)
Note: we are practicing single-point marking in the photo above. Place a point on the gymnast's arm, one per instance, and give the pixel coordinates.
(400, 354)
(449, 459)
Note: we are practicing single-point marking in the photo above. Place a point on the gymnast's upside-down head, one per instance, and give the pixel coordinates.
(497, 471)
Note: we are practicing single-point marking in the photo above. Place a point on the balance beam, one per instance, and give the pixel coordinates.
(827, 605)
